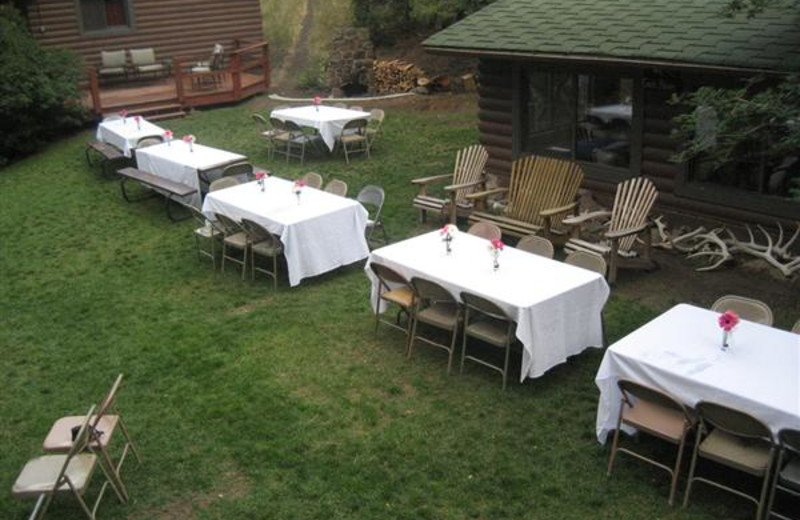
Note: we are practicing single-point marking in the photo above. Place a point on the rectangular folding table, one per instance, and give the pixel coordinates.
(328, 121)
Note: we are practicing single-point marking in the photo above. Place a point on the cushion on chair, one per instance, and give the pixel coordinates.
(656, 420)
(150, 68)
(111, 71)
(750, 456)
(39, 475)
(790, 475)
(443, 315)
(353, 138)
(207, 231)
(267, 248)
(237, 240)
(489, 330)
(60, 436)
(140, 57)
(113, 59)
(402, 296)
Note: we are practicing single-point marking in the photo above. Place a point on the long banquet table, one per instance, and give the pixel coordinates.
(328, 121)
(179, 162)
(679, 353)
(125, 133)
(557, 307)
(319, 233)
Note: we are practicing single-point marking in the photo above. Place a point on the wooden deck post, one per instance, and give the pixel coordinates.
(265, 64)
(177, 71)
(94, 88)
(236, 75)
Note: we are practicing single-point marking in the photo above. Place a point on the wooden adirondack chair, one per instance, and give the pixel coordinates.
(467, 176)
(542, 191)
(628, 219)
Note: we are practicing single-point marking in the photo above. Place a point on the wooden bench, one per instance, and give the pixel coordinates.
(107, 152)
(542, 191)
(171, 188)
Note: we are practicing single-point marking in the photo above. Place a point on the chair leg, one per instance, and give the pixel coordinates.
(452, 348)
(615, 442)
(676, 470)
(464, 344)
(413, 335)
(692, 466)
(346, 158)
(505, 364)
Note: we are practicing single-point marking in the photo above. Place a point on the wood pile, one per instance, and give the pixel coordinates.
(395, 76)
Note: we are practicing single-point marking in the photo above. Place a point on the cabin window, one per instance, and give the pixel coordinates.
(101, 15)
(579, 116)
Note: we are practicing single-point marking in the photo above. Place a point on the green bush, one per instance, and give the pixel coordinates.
(39, 94)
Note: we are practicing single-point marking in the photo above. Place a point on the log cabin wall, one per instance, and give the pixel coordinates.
(171, 27)
(495, 118)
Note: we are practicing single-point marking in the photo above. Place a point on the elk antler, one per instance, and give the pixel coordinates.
(711, 238)
(775, 254)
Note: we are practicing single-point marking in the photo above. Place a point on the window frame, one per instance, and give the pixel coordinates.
(106, 31)
(592, 170)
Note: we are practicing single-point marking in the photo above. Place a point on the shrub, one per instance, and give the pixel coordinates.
(39, 94)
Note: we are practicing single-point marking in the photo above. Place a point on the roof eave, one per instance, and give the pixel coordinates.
(594, 59)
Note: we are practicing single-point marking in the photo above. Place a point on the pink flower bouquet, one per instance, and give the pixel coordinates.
(317, 102)
(168, 136)
(728, 321)
(189, 139)
(299, 184)
(448, 232)
(124, 115)
(261, 177)
(495, 247)
(138, 120)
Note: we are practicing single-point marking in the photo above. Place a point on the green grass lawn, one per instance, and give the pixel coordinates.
(250, 403)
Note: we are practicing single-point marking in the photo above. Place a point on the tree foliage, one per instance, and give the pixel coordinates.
(39, 94)
(388, 19)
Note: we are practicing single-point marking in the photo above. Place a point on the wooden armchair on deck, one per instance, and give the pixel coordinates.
(467, 176)
(542, 191)
(627, 220)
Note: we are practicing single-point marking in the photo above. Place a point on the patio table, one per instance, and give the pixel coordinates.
(125, 133)
(679, 353)
(320, 232)
(328, 121)
(178, 162)
(557, 306)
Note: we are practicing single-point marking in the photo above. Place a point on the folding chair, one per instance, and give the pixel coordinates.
(485, 321)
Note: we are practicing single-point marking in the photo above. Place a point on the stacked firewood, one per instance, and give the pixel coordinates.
(393, 76)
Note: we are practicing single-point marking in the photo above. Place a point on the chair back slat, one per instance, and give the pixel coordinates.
(536, 245)
(431, 291)
(485, 230)
(312, 180)
(790, 439)
(639, 391)
(258, 233)
(747, 308)
(336, 187)
(587, 260)
(387, 275)
(484, 306)
(469, 167)
(632, 204)
(540, 183)
(733, 421)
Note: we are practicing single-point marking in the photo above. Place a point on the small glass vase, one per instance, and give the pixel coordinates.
(495, 264)
(298, 197)
(727, 340)
(447, 245)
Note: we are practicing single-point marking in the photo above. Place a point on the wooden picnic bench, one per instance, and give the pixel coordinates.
(107, 152)
(542, 191)
(170, 188)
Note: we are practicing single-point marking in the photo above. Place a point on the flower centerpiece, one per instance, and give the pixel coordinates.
(189, 139)
(261, 178)
(138, 120)
(124, 115)
(495, 247)
(317, 102)
(448, 232)
(168, 136)
(728, 321)
(299, 184)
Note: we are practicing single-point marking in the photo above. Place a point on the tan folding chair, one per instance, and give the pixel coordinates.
(265, 244)
(223, 183)
(787, 472)
(208, 232)
(337, 187)
(235, 238)
(436, 307)
(102, 427)
(376, 117)
(44, 477)
(150, 140)
(747, 308)
(241, 171)
(312, 180)
(587, 260)
(393, 288)
(736, 440)
(658, 414)
(796, 327)
(536, 245)
(485, 321)
(485, 230)
(354, 138)
(372, 196)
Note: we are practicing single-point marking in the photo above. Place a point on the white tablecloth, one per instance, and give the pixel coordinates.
(176, 162)
(319, 234)
(328, 121)
(125, 134)
(679, 353)
(557, 307)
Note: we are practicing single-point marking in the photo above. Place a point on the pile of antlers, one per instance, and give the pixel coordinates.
(718, 246)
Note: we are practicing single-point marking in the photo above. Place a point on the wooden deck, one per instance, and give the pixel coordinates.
(247, 74)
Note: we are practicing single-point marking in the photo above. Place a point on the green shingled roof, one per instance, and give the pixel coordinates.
(680, 31)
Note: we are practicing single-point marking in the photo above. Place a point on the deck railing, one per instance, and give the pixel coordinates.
(246, 72)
